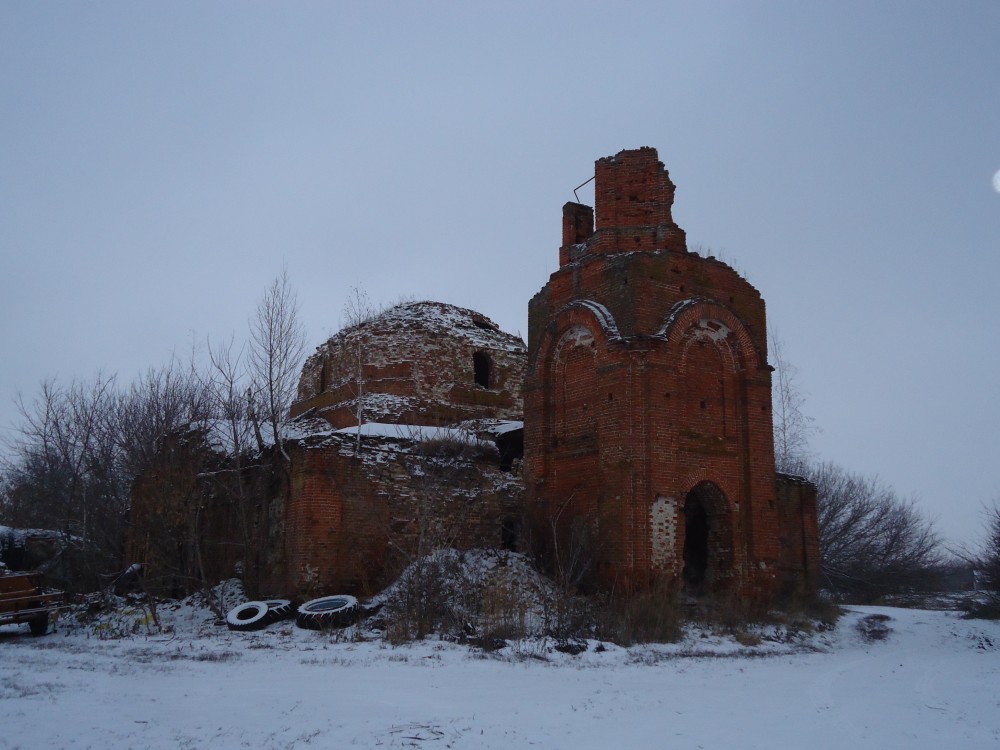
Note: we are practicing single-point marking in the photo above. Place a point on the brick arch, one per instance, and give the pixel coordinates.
(702, 333)
(696, 317)
(576, 335)
(709, 368)
(699, 476)
(579, 322)
(706, 538)
(573, 367)
(593, 316)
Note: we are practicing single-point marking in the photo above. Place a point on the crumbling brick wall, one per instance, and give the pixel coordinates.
(357, 515)
(648, 398)
(344, 514)
(798, 536)
(417, 363)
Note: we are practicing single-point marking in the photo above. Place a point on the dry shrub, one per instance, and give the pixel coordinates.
(453, 446)
(425, 600)
(504, 612)
(482, 597)
(493, 599)
(874, 628)
(748, 638)
(652, 615)
(819, 614)
(730, 614)
(989, 609)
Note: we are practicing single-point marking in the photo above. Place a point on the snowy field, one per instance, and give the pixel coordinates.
(932, 682)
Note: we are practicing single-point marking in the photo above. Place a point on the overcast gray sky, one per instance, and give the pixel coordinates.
(160, 162)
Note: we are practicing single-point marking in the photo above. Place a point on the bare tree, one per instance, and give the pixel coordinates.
(991, 549)
(872, 541)
(985, 560)
(58, 438)
(79, 448)
(358, 309)
(75, 454)
(572, 548)
(215, 511)
(274, 357)
(231, 397)
(159, 401)
(792, 427)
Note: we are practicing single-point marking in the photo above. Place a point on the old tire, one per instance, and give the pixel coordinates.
(327, 612)
(39, 625)
(248, 616)
(279, 609)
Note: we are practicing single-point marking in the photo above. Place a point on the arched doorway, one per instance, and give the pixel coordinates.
(707, 539)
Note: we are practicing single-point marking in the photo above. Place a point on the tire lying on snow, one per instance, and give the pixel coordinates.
(279, 609)
(327, 612)
(249, 616)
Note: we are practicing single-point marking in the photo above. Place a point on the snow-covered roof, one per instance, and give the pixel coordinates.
(502, 427)
(413, 355)
(416, 433)
(15, 533)
(438, 318)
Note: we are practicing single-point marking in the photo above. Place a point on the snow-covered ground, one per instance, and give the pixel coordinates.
(932, 682)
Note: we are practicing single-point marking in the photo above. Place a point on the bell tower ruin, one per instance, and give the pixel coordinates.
(648, 433)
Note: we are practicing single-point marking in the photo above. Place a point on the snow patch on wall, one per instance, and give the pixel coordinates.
(574, 336)
(603, 315)
(715, 330)
(677, 310)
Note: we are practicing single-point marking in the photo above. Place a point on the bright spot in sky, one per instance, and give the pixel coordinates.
(996, 181)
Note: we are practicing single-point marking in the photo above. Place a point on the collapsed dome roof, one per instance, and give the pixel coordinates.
(414, 318)
(417, 362)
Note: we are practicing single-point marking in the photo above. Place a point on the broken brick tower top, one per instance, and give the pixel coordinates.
(648, 436)
(634, 195)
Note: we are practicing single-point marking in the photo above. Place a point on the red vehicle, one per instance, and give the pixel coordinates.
(23, 599)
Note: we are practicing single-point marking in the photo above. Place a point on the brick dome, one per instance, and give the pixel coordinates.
(415, 363)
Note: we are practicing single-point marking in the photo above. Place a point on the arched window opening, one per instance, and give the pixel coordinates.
(481, 368)
(324, 377)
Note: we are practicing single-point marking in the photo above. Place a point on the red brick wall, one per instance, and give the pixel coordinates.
(798, 535)
(354, 519)
(647, 376)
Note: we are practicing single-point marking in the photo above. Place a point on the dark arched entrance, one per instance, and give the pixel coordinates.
(707, 539)
(695, 544)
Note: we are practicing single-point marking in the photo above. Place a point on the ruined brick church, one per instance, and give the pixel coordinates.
(648, 403)
(633, 431)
